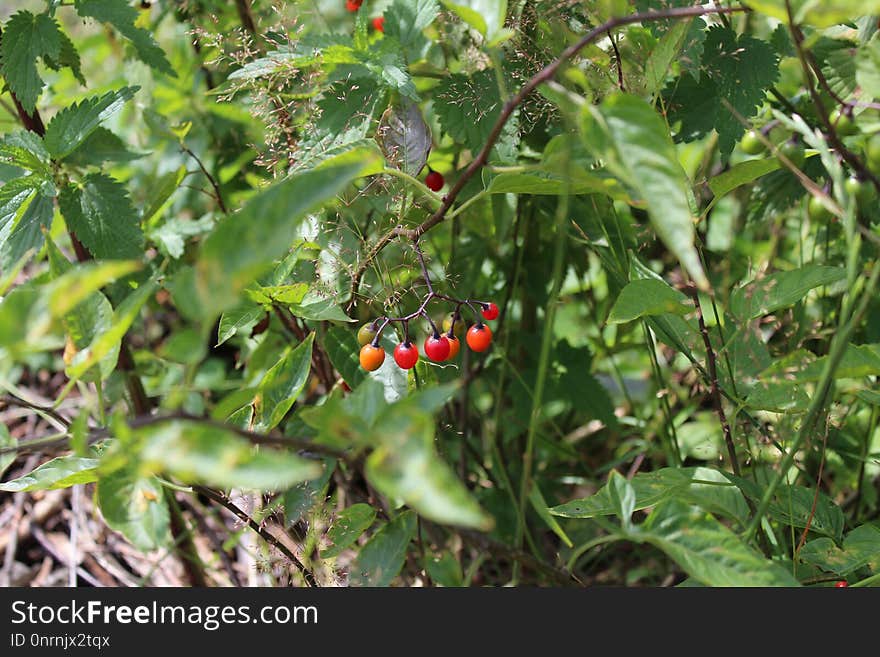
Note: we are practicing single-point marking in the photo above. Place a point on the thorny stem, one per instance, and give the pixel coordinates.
(542, 76)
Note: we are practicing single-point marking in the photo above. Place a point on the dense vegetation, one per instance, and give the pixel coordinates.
(647, 231)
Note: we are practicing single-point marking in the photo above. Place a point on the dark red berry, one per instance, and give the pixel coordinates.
(490, 311)
(841, 584)
(434, 181)
(353, 5)
(379, 23)
(437, 347)
(406, 355)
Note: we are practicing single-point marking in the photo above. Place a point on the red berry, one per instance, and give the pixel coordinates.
(841, 584)
(379, 23)
(437, 348)
(479, 337)
(454, 346)
(434, 181)
(372, 357)
(406, 355)
(490, 311)
(353, 5)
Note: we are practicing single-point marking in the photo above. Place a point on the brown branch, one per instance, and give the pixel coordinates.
(714, 388)
(267, 536)
(544, 75)
(620, 84)
(182, 535)
(211, 179)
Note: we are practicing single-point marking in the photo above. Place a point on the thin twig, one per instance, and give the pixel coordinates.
(620, 84)
(714, 388)
(214, 184)
(254, 525)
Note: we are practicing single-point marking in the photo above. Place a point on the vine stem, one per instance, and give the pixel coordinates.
(544, 75)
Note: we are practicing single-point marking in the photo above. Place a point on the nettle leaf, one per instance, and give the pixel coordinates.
(61, 472)
(215, 456)
(122, 16)
(348, 526)
(838, 60)
(27, 37)
(485, 16)
(99, 147)
(405, 20)
(281, 386)
(735, 69)
(23, 231)
(381, 559)
(72, 125)
(468, 107)
(244, 245)
(68, 57)
(135, 506)
(867, 62)
(707, 550)
(100, 213)
(632, 140)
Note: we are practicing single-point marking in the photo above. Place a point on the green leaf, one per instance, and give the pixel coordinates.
(541, 182)
(485, 16)
(867, 63)
(623, 498)
(781, 290)
(282, 385)
(705, 487)
(26, 37)
(540, 507)
(342, 347)
(238, 320)
(303, 497)
(68, 57)
(23, 158)
(207, 454)
(468, 106)
(633, 141)
(135, 506)
(61, 472)
(707, 550)
(99, 147)
(109, 341)
(819, 13)
(73, 125)
(25, 232)
(122, 16)
(162, 192)
(664, 54)
(244, 245)
(741, 174)
(6, 441)
(404, 465)
(647, 297)
(347, 528)
(861, 547)
(405, 20)
(100, 213)
(379, 561)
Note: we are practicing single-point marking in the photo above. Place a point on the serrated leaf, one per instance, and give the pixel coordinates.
(73, 125)
(27, 37)
(707, 550)
(342, 347)
(18, 156)
(122, 16)
(69, 57)
(244, 245)
(781, 290)
(100, 213)
(485, 16)
(647, 297)
(99, 147)
(405, 20)
(208, 454)
(632, 140)
(468, 107)
(282, 385)
(135, 506)
(61, 472)
(405, 138)
(379, 561)
(867, 63)
(24, 232)
(347, 527)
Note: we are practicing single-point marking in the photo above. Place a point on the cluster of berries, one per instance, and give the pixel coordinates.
(438, 346)
(378, 21)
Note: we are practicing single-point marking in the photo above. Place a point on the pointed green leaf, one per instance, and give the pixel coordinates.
(381, 559)
(347, 527)
(25, 231)
(282, 385)
(781, 290)
(342, 347)
(26, 37)
(646, 297)
(73, 125)
(135, 506)
(61, 472)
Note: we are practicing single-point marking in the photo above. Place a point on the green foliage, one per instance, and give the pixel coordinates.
(26, 38)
